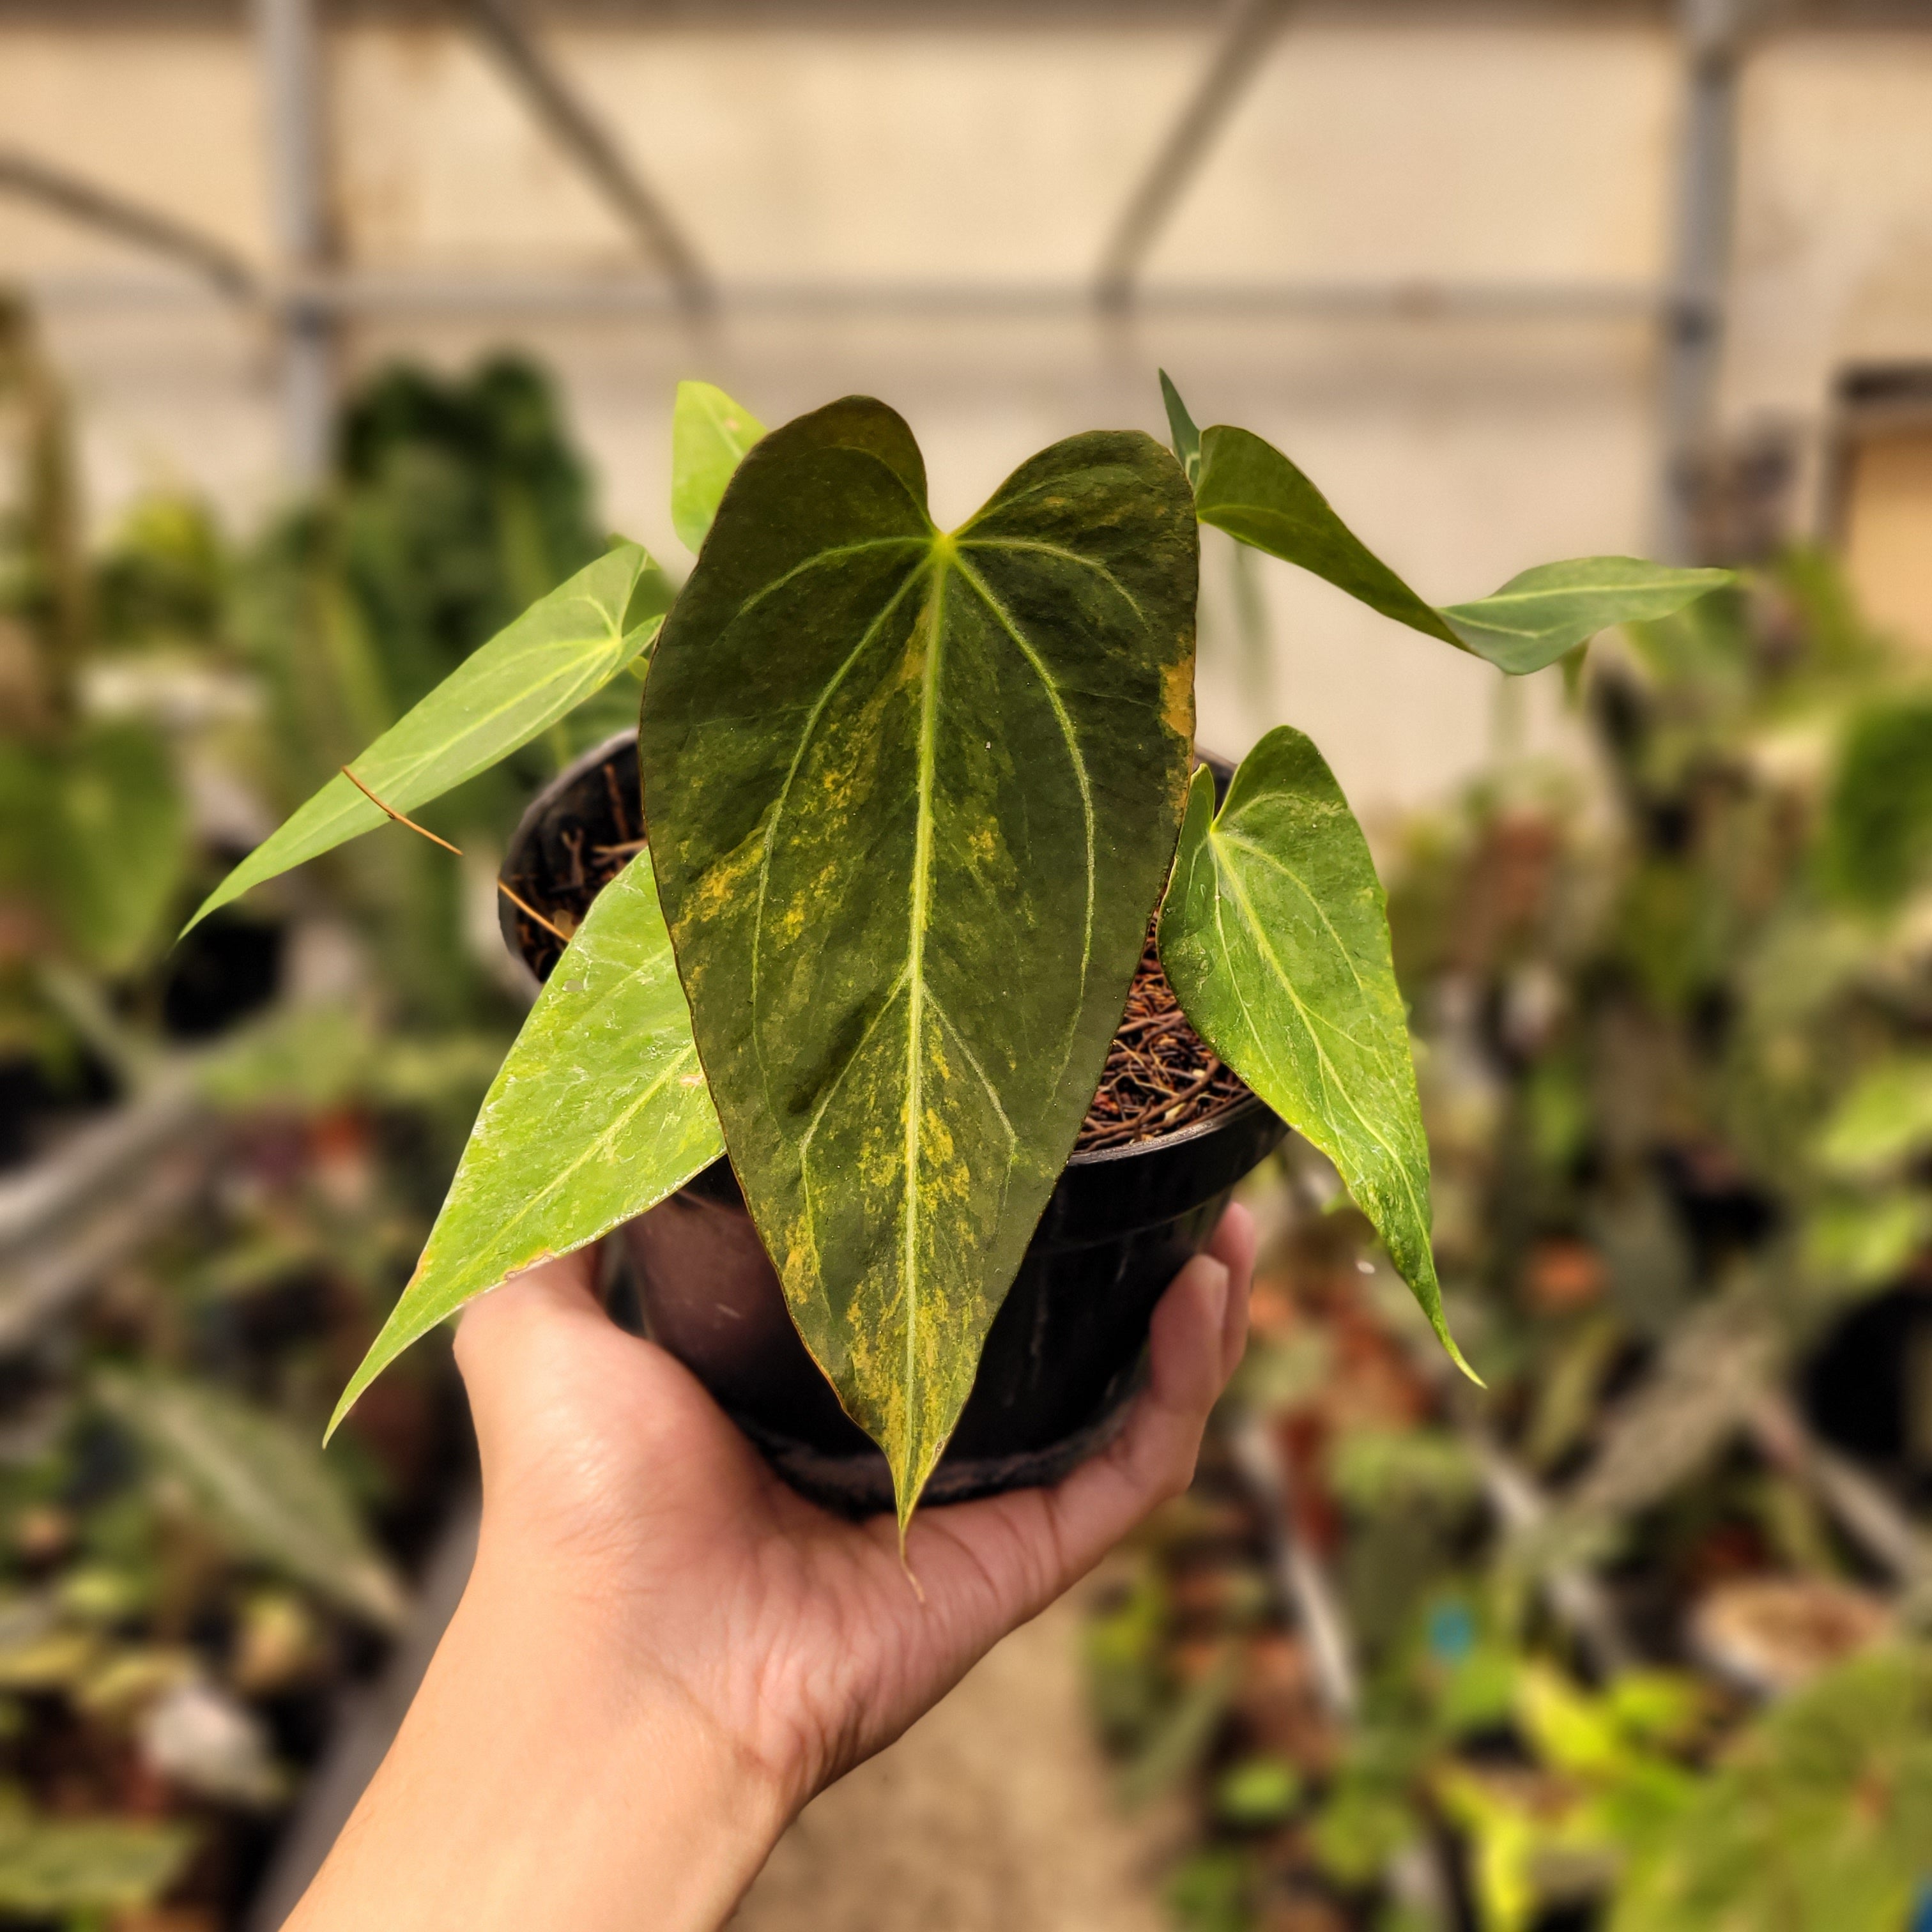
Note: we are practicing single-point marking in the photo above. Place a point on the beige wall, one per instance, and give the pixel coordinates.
(1465, 449)
(1888, 532)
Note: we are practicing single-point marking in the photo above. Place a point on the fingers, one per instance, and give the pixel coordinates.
(1233, 1245)
(1037, 1542)
(1196, 1339)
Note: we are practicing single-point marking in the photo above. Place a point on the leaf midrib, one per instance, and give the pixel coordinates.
(530, 1203)
(1589, 589)
(1330, 1078)
(591, 648)
(921, 888)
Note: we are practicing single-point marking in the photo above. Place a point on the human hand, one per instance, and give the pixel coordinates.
(664, 1612)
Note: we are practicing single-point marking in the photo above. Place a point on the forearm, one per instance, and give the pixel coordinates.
(539, 1781)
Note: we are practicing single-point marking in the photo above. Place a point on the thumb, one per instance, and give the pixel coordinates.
(505, 1339)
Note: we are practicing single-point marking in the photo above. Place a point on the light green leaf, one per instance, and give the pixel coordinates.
(911, 798)
(259, 1485)
(1883, 1122)
(1248, 488)
(1543, 613)
(709, 433)
(1868, 1239)
(1180, 426)
(53, 1866)
(95, 833)
(599, 1112)
(118, 843)
(1275, 935)
(563, 648)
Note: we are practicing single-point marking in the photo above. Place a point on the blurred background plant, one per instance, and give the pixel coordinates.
(217, 1161)
(1635, 1637)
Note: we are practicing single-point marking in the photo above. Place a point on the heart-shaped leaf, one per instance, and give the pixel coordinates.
(911, 798)
(599, 1112)
(1274, 934)
(1246, 487)
(709, 433)
(563, 648)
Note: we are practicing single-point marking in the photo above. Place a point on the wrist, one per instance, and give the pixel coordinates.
(541, 1777)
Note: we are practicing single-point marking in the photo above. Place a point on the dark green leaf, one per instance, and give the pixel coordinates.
(1877, 842)
(911, 798)
(1180, 426)
(563, 648)
(709, 433)
(1275, 936)
(1248, 488)
(599, 1112)
(1251, 490)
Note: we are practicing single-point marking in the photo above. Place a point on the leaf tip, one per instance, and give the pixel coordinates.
(215, 901)
(1456, 1354)
(1181, 425)
(905, 1563)
(346, 1402)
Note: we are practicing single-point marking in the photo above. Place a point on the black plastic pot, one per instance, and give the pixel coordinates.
(1064, 1358)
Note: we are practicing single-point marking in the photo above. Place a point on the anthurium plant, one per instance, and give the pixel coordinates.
(913, 796)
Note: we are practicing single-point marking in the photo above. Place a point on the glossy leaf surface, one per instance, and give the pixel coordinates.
(1249, 489)
(709, 434)
(912, 798)
(598, 1112)
(1275, 936)
(563, 648)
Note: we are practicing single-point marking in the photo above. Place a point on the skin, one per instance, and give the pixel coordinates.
(663, 1653)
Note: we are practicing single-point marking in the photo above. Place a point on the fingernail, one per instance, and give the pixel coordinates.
(1220, 1280)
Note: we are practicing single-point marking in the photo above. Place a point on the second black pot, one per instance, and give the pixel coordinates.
(1063, 1358)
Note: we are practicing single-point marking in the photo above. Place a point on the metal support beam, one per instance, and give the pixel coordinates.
(79, 200)
(1250, 25)
(298, 201)
(1694, 323)
(579, 134)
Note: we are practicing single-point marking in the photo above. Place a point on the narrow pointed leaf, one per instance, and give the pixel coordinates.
(1538, 617)
(709, 433)
(1248, 488)
(1180, 426)
(599, 1112)
(911, 800)
(1275, 936)
(259, 1485)
(565, 647)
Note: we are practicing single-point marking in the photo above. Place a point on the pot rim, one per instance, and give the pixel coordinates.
(586, 761)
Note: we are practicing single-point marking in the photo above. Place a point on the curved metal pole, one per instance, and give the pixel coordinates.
(1251, 24)
(573, 128)
(113, 214)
